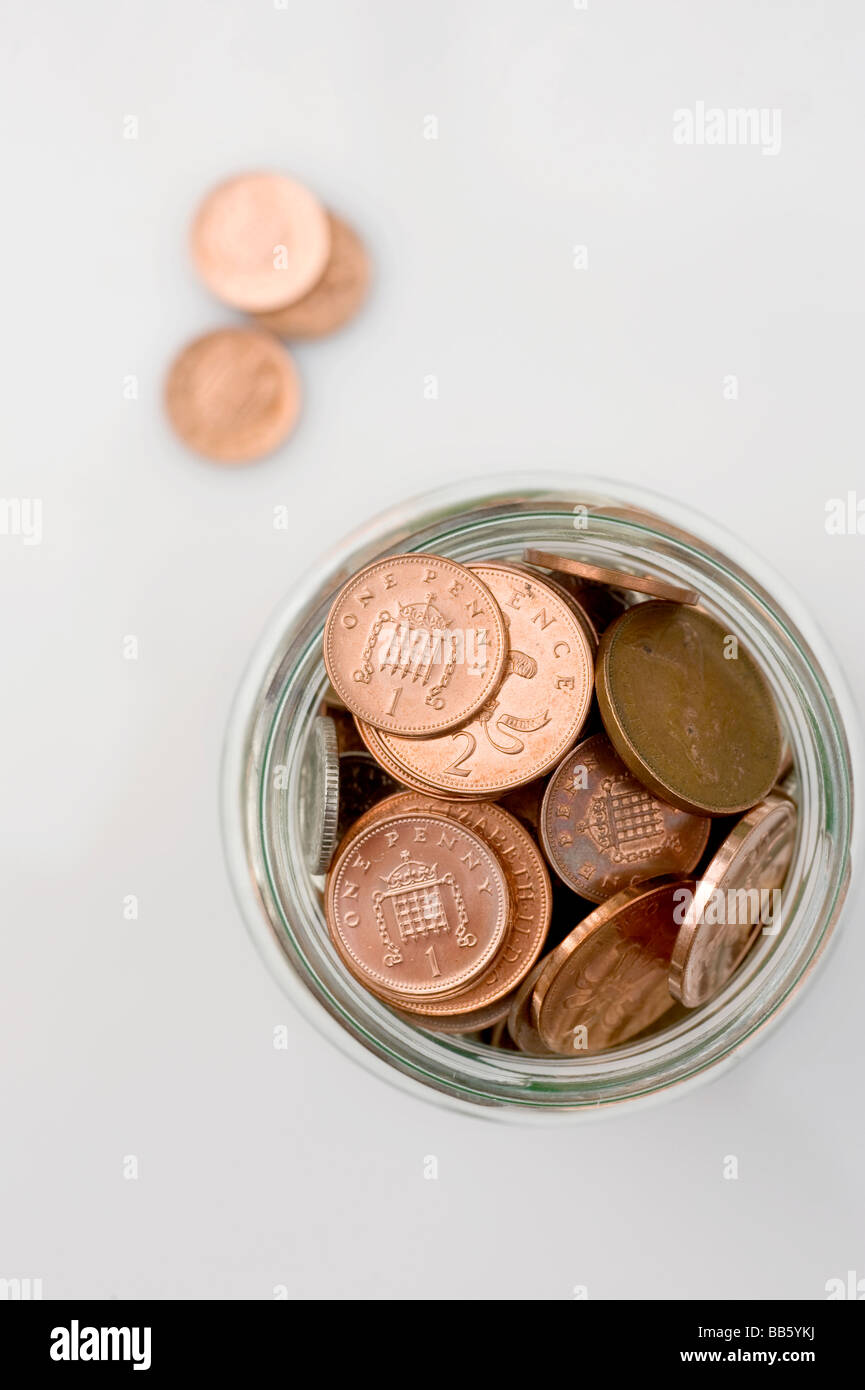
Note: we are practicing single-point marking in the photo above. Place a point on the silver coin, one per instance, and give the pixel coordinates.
(319, 795)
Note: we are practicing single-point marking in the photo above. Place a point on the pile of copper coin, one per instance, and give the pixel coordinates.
(545, 796)
(263, 244)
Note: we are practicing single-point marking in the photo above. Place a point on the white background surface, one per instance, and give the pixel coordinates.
(153, 1038)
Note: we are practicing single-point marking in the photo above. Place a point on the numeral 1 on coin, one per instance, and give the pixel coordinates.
(434, 965)
(393, 703)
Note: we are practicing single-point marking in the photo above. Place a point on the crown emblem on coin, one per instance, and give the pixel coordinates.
(424, 616)
(624, 820)
(414, 893)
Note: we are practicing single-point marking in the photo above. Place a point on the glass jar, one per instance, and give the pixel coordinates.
(617, 527)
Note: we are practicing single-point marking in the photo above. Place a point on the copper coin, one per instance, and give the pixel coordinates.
(462, 1023)
(688, 710)
(520, 1025)
(417, 905)
(531, 719)
(617, 579)
(732, 901)
(260, 241)
(608, 980)
(336, 297)
(233, 395)
(570, 598)
(603, 831)
(415, 644)
(528, 886)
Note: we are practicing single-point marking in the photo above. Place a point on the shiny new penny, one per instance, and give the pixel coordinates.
(616, 579)
(233, 395)
(732, 901)
(336, 297)
(608, 980)
(415, 644)
(688, 710)
(603, 831)
(416, 906)
(531, 719)
(529, 889)
(260, 241)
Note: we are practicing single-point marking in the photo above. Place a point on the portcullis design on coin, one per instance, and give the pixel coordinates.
(415, 644)
(416, 905)
(603, 831)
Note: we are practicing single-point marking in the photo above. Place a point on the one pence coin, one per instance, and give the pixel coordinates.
(416, 906)
(233, 395)
(530, 895)
(688, 710)
(260, 241)
(608, 980)
(603, 831)
(615, 579)
(734, 899)
(336, 297)
(531, 719)
(415, 644)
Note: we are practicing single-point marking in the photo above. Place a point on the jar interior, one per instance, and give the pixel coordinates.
(618, 537)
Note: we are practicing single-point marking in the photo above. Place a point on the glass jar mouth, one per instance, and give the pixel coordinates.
(611, 524)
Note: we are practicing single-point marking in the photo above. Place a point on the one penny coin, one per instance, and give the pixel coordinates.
(417, 906)
(529, 889)
(733, 900)
(260, 241)
(688, 710)
(608, 980)
(415, 644)
(531, 719)
(336, 297)
(233, 395)
(603, 831)
(616, 579)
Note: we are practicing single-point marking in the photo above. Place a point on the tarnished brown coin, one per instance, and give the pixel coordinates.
(603, 831)
(415, 644)
(617, 579)
(733, 900)
(529, 890)
(531, 719)
(260, 241)
(363, 783)
(417, 906)
(608, 980)
(520, 1024)
(688, 710)
(335, 298)
(233, 395)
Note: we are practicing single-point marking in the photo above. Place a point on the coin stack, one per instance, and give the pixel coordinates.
(489, 723)
(263, 244)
